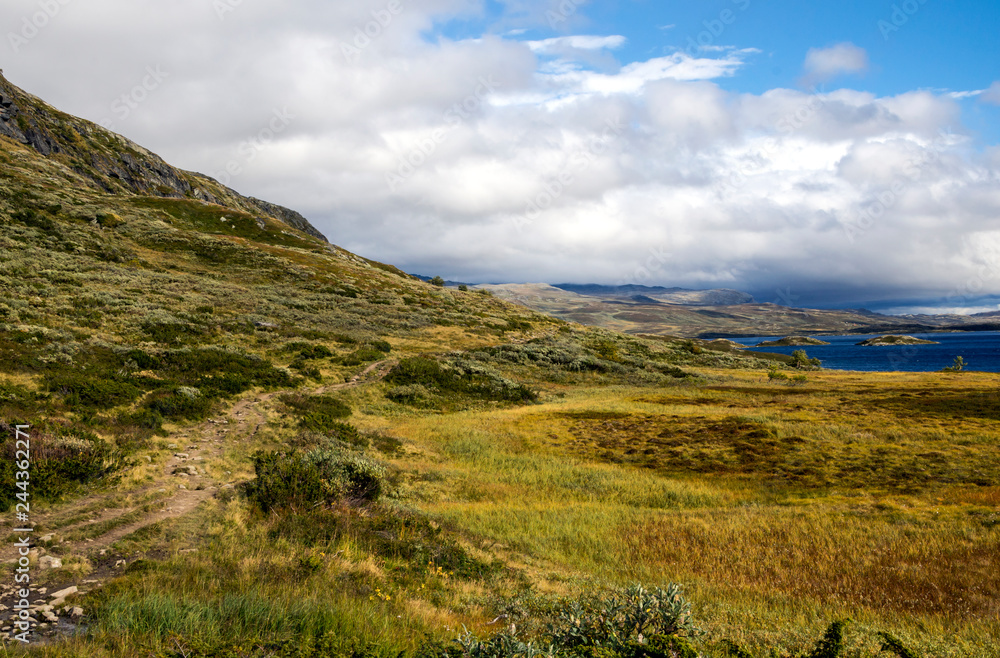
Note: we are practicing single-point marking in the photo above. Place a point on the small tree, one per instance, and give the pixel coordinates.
(801, 360)
(957, 366)
(464, 288)
(437, 281)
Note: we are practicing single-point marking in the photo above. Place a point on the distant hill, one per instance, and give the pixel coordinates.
(715, 313)
(653, 294)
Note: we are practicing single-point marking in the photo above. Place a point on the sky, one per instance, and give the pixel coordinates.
(835, 153)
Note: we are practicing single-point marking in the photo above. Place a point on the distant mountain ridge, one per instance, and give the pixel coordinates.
(683, 296)
(715, 313)
(114, 164)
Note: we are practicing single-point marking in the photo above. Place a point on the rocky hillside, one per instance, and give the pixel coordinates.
(108, 162)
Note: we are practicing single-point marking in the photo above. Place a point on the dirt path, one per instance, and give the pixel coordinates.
(187, 479)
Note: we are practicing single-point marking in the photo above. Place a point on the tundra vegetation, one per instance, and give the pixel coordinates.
(412, 470)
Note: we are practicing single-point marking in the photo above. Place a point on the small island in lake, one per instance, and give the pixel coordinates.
(792, 341)
(724, 344)
(882, 341)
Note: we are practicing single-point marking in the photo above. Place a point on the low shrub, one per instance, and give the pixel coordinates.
(59, 464)
(99, 391)
(315, 352)
(832, 642)
(411, 394)
(182, 402)
(320, 413)
(321, 476)
(458, 377)
(634, 622)
(142, 422)
(360, 356)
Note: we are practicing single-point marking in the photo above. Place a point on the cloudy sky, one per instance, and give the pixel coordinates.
(822, 153)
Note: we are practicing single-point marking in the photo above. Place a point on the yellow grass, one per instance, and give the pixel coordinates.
(766, 559)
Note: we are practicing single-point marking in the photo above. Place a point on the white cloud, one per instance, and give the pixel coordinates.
(823, 64)
(624, 164)
(579, 42)
(992, 95)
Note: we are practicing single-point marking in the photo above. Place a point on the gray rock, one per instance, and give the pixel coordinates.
(63, 593)
(49, 562)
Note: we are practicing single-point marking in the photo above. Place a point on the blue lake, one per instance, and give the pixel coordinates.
(981, 351)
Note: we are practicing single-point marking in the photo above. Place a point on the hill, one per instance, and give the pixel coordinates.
(712, 314)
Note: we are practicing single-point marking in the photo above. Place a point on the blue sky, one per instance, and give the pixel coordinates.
(798, 151)
(951, 45)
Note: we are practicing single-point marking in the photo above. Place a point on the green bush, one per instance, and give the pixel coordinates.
(776, 375)
(324, 475)
(635, 623)
(381, 345)
(320, 413)
(225, 384)
(190, 364)
(832, 642)
(181, 403)
(410, 394)
(957, 366)
(172, 333)
(315, 352)
(362, 355)
(59, 464)
(801, 360)
(463, 378)
(142, 421)
(94, 392)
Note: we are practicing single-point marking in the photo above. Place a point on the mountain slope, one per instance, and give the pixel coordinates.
(107, 161)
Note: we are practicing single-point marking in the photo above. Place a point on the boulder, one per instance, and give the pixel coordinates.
(49, 562)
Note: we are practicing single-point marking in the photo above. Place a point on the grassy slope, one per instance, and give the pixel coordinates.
(781, 507)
